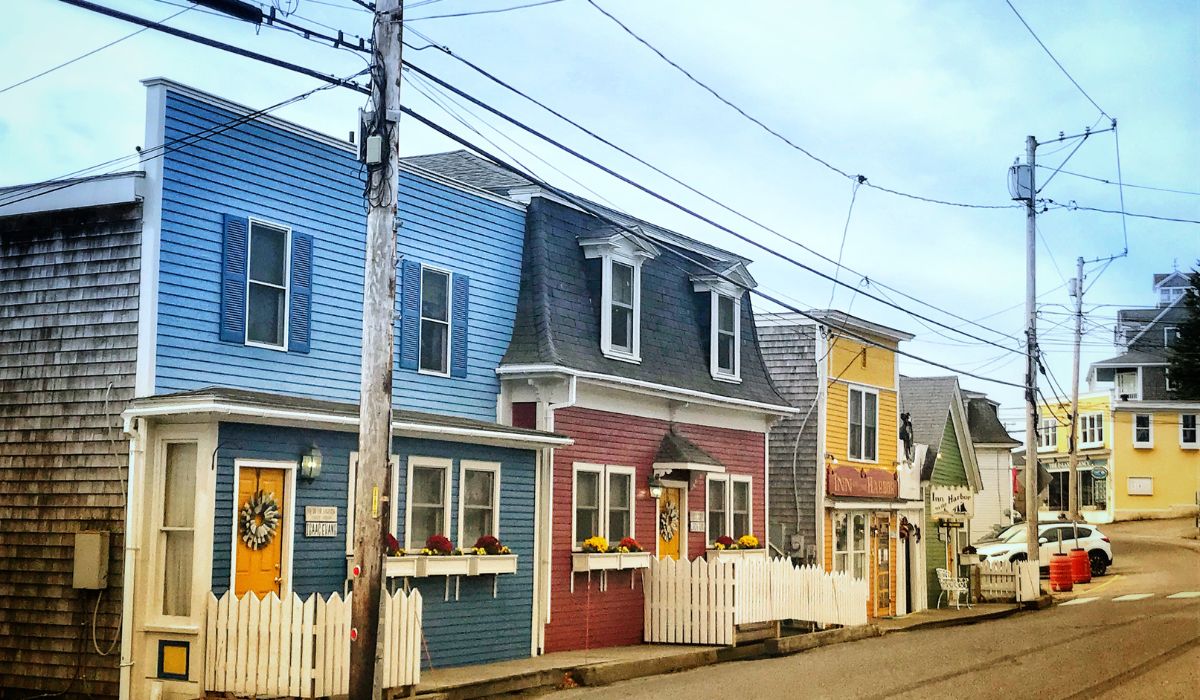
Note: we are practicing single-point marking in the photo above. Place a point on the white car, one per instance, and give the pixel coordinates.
(1010, 545)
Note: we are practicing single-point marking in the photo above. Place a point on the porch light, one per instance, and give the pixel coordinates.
(656, 486)
(310, 463)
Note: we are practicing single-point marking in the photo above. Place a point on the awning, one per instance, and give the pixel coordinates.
(677, 453)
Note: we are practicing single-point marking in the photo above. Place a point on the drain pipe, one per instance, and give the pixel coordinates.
(547, 421)
(136, 429)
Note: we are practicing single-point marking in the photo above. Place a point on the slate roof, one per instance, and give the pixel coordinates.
(983, 421)
(1173, 314)
(675, 448)
(558, 313)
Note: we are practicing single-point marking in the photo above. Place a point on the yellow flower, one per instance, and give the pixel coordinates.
(479, 550)
(748, 542)
(595, 544)
(718, 545)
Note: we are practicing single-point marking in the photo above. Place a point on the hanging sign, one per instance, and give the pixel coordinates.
(951, 503)
(870, 482)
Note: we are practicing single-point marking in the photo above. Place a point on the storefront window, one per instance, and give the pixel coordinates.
(850, 543)
(178, 527)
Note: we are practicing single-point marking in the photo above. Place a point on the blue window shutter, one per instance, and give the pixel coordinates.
(300, 307)
(461, 300)
(410, 308)
(233, 279)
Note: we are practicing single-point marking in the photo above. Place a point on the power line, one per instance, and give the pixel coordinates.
(1079, 207)
(1122, 184)
(483, 12)
(870, 280)
(780, 136)
(96, 50)
(584, 206)
(666, 200)
(1056, 61)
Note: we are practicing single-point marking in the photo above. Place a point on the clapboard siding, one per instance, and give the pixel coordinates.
(586, 617)
(790, 356)
(264, 171)
(68, 347)
(452, 627)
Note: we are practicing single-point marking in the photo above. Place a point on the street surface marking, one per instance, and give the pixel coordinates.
(1186, 594)
(1132, 596)
(1080, 601)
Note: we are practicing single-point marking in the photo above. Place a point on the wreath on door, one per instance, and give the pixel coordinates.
(259, 519)
(668, 521)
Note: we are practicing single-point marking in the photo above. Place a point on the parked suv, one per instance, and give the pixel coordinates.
(1009, 544)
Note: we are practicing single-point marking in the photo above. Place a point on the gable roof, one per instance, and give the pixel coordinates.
(930, 403)
(1173, 279)
(558, 314)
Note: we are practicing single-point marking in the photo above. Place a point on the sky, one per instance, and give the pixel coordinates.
(929, 98)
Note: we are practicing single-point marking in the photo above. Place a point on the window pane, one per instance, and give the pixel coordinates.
(426, 521)
(841, 529)
(264, 315)
(618, 491)
(741, 525)
(856, 441)
(871, 415)
(839, 562)
(478, 487)
(716, 509)
(434, 345)
(587, 505)
(177, 573)
(725, 313)
(856, 398)
(179, 489)
(618, 525)
(477, 522)
(435, 295)
(618, 507)
(622, 328)
(869, 443)
(268, 248)
(622, 282)
(725, 345)
(428, 484)
(859, 542)
(741, 497)
(860, 564)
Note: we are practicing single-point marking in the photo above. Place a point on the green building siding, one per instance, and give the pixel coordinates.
(948, 470)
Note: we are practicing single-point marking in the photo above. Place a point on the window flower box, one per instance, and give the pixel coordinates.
(400, 567)
(444, 565)
(635, 560)
(735, 555)
(609, 561)
(492, 564)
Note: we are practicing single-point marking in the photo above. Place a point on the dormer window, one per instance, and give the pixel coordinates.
(726, 331)
(622, 307)
(621, 255)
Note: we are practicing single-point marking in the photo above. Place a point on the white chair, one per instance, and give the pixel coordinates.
(951, 586)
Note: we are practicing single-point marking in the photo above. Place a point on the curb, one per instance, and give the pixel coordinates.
(1040, 603)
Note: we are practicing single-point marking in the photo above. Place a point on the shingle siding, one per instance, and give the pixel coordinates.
(68, 337)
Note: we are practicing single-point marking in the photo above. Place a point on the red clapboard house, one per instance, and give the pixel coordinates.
(628, 342)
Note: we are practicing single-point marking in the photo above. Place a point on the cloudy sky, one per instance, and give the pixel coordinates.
(930, 98)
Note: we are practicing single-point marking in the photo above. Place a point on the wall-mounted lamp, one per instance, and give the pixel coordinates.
(656, 486)
(310, 463)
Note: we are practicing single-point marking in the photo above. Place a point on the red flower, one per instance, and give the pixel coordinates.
(439, 543)
(630, 544)
(489, 544)
(725, 540)
(391, 543)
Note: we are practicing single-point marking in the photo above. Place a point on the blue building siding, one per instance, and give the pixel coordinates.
(451, 627)
(266, 172)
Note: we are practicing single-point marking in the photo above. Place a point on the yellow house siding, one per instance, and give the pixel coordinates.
(845, 361)
(1175, 471)
(837, 420)
(1087, 404)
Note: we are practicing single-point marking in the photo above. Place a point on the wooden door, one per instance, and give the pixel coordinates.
(883, 565)
(260, 569)
(669, 516)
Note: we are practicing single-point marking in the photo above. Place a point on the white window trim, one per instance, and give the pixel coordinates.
(1189, 445)
(606, 345)
(1083, 421)
(1167, 380)
(1149, 428)
(865, 390)
(709, 536)
(288, 543)
(445, 465)
(1137, 393)
(393, 497)
(714, 335)
(1167, 330)
(160, 538)
(749, 481)
(449, 319)
(1043, 424)
(472, 465)
(287, 283)
(603, 470)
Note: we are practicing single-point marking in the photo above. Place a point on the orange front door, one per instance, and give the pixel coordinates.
(669, 517)
(260, 560)
(883, 565)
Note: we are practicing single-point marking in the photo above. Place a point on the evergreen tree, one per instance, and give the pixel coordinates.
(1185, 353)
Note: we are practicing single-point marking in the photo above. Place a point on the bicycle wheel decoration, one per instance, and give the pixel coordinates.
(259, 519)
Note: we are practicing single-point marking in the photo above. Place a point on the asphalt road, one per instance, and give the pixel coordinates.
(1095, 647)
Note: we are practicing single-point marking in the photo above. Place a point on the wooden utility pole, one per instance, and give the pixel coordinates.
(1073, 477)
(381, 141)
(1031, 359)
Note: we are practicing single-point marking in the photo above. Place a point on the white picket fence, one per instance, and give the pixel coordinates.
(1007, 582)
(301, 648)
(702, 602)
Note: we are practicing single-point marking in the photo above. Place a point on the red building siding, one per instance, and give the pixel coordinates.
(588, 617)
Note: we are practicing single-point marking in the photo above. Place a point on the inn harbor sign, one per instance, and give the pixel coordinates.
(866, 482)
(952, 503)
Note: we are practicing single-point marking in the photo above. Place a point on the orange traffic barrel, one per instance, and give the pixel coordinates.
(1081, 566)
(1060, 572)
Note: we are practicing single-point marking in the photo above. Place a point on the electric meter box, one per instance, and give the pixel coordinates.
(91, 560)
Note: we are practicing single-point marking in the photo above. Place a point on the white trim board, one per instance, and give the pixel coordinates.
(288, 544)
(79, 193)
(147, 343)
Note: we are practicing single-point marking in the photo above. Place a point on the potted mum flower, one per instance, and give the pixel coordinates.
(398, 563)
(492, 557)
(438, 558)
(598, 555)
(725, 549)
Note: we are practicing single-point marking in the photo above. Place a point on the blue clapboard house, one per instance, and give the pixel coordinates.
(250, 317)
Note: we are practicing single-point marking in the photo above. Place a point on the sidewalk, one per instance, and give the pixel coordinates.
(949, 617)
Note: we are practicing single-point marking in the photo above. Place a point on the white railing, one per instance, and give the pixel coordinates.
(301, 648)
(702, 602)
(1008, 582)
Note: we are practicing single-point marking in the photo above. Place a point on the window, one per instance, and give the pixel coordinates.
(1047, 437)
(603, 502)
(726, 332)
(850, 543)
(1170, 336)
(1091, 430)
(267, 285)
(1143, 430)
(435, 321)
(1168, 384)
(864, 421)
(621, 308)
(427, 503)
(178, 527)
(1127, 384)
(1188, 438)
(1166, 295)
(728, 503)
(479, 501)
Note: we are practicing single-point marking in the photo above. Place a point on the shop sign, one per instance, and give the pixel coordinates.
(1099, 472)
(870, 482)
(320, 521)
(951, 503)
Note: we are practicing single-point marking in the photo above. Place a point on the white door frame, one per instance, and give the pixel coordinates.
(288, 543)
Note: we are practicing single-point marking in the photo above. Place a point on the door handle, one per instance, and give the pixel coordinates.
(278, 579)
